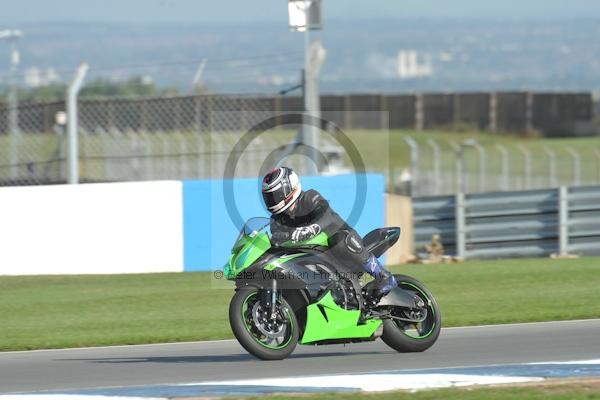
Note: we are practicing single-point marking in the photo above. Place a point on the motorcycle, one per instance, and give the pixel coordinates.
(297, 293)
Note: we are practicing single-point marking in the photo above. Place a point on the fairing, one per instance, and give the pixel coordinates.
(325, 320)
(308, 269)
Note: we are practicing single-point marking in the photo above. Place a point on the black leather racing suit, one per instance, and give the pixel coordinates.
(313, 211)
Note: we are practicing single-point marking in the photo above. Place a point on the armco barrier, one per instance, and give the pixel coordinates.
(139, 227)
(583, 220)
(512, 224)
(434, 215)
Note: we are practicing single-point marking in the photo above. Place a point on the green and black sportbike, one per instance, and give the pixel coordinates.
(297, 293)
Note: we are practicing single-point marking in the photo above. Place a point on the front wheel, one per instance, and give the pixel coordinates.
(403, 333)
(265, 336)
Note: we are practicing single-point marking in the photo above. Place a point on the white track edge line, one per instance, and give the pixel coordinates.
(369, 372)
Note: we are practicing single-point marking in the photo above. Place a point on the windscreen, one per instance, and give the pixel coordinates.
(255, 225)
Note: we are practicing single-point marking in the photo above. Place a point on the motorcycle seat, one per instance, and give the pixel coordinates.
(379, 240)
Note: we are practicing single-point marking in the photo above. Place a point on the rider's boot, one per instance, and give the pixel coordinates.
(384, 280)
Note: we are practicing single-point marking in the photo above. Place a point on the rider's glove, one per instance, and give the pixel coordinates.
(305, 232)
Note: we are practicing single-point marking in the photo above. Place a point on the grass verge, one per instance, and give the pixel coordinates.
(72, 311)
(552, 390)
(381, 150)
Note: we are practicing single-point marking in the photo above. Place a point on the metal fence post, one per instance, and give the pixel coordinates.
(183, 156)
(551, 166)
(482, 165)
(597, 152)
(13, 35)
(528, 111)
(436, 165)
(419, 112)
(576, 166)
(201, 155)
(459, 167)
(527, 165)
(493, 112)
(136, 148)
(504, 165)
(414, 163)
(460, 225)
(563, 217)
(314, 61)
(72, 123)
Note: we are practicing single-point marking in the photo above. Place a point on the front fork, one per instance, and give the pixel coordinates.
(268, 299)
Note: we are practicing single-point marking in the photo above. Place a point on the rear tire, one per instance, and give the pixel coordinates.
(245, 326)
(409, 338)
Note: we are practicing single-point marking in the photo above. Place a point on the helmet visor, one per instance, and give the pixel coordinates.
(276, 197)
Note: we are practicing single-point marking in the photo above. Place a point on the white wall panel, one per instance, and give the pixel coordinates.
(105, 228)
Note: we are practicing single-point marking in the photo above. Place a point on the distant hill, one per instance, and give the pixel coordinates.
(362, 56)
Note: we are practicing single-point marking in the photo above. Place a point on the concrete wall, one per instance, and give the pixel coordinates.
(168, 226)
(209, 232)
(398, 212)
(100, 228)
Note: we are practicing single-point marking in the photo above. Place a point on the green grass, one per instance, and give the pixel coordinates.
(504, 291)
(389, 153)
(71, 311)
(173, 154)
(564, 391)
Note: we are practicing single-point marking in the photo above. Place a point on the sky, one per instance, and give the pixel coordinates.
(17, 12)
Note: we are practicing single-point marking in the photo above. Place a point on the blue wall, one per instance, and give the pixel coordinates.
(209, 232)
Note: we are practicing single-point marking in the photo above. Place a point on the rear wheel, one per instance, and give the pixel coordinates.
(257, 331)
(423, 329)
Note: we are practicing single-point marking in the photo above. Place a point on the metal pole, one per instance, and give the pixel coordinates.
(419, 112)
(218, 165)
(309, 139)
(150, 156)
(183, 156)
(597, 152)
(504, 165)
(414, 163)
(460, 224)
(493, 112)
(135, 151)
(201, 155)
(576, 166)
(436, 165)
(165, 161)
(563, 213)
(482, 165)
(13, 110)
(13, 103)
(197, 81)
(527, 165)
(459, 170)
(72, 123)
(481, 152)
(315, 57)
(529, 111)
(551, 167)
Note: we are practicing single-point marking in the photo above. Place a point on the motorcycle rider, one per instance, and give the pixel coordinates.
(298, 215)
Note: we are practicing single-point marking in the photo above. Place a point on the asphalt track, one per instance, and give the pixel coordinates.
(52, 370)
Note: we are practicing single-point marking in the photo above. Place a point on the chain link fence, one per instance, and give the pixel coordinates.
(33, 151)
(188, 137)
(441, 167)
(192, 137)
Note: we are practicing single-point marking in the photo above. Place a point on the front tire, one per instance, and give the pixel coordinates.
(261, 336)
(407, 337)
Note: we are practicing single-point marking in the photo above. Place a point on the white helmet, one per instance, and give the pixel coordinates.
(280, 189)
